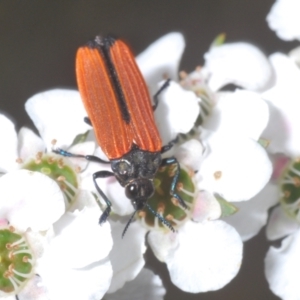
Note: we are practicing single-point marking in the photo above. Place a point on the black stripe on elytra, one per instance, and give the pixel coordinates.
(103, 45)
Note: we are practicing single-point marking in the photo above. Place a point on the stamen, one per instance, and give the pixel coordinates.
(183, 75)
(77, 169)
(175, 201)
(71, 187)
(218, 175)
(60, 163)
(142, 214)
(38, 158)
(179, 186)
(24, 275)
(19, 160)
(50, 160)
(192, 194)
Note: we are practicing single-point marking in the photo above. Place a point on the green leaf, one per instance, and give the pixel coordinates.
(227, 208)
(219, 40)
(80, 138)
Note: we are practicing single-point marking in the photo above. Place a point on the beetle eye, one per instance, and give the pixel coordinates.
(131, 191)
(123, 168)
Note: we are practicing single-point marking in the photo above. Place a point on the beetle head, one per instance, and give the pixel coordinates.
(139, 191)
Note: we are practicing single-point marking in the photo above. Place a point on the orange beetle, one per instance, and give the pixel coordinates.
(119, 109)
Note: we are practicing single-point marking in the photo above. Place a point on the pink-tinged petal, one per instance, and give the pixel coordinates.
(280, 224)
(57, 114)
(240, 63)
(176, 112)
(8, 149)
(283, 128)
(206, 207)
(245, 108)
(29, 144)
(252, 215)
(33, 290)
(235, 167)
(283, 18)
(282, 268)
(127, 253)
(202, 256)
(30, 200)
(161, 59)
(146, 286)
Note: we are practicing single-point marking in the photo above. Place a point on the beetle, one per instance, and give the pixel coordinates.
(120, 110)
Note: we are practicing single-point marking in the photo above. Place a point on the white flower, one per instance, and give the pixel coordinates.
(283, 18)
(227, 158)
(161, 59)
(239, 63)
(57, 114)
(232, 159)
(74, 250)
(283, 100)
(146, 286)
(193, 255)
(282, 133)
(282, 267)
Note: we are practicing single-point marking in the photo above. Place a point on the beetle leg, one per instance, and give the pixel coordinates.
(160, 218)
(103, 174)
(92, 158)
(169, 145)
(170, 161)
(87, 121)
(155, 97)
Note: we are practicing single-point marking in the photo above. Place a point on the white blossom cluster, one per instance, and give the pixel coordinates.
(240, 148)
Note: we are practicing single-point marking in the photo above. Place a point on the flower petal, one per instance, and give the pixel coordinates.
(95, 240)
(177, 112)
(8, 150)
(64, 283)
(121, 205)
(283, 18)
(85, 148)
(240, 63)
(253, 214)
(29, 144)
(33, 290)
(236, 168)
(57, 114)
(161, 59)
(30, 199)
(203, 257)
(146, 286)
(206, 207)
(282, 267)
(283, 127)
(239, 107)
(280, 225)
(189, 153)
(127, 254)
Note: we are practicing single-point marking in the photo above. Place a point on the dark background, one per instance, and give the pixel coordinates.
(38, 41)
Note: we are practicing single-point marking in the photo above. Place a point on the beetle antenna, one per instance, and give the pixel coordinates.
(160, 218)
(128, 223)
